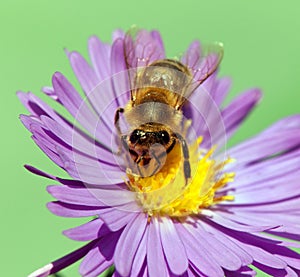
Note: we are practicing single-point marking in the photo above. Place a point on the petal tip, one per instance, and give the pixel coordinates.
(42, 272)
(50, 189)
(67, 52)
(57, 76)
(257, 93)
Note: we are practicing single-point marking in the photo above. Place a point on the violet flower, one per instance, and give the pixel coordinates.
(220, 223)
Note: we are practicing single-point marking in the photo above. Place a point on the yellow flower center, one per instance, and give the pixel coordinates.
(166, 192)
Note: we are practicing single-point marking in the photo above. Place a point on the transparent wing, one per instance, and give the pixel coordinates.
(202, 61)
(141, 48)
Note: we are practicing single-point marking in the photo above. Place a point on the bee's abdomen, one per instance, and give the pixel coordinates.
(169, 75)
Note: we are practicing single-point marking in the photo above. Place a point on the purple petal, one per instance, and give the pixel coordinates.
(290, 122)
(89, 83)
(41, 110)
(201, 259)
(227, 223)
(139, 259)
(92, 196)
(128, 244)
(78, 164)
(94, 264)
(38, 108)
(207, 120)
(274, 168)
(77, 141)
(84, 73)
(28, 120)
(73, 102)
(79, 196)
(104, 101)
(100, 257)
(221, 90)
(293, 258)
(243, 271)
(217, 126)
(286, 234)
(39, 172)
(67, 182)
(287, 255)
(118, 65)
(157, 265)
(262, 218)
(255, 246)
(51, 93)
(52, 155)
(118, 33)
(172, 245)
(192, 273)
(192, 55)
(99, 54)
(263, 256)
(63, 262)
(238, 109)
(117, 218)
(287, 205)
(264, 146)
(222, 237)
(88, 231)
(71, 210)
(274, 271)
(159, 41)
(42, 272)
(223, 255)
(90, 171)
(249, 220)
(268, 191)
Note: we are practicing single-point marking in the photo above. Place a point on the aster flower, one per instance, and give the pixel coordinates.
(237, 209)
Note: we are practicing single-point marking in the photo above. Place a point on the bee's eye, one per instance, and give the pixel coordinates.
(163, 136)
(135, 136)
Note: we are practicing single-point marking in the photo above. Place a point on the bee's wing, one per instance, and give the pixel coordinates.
(141, 48)
(202, 63)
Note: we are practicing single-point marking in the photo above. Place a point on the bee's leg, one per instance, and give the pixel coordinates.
(140, 158)
(124, 142)
(140, 172)
(158, 163)
(117, 117)
(186, 156)
(117, 125)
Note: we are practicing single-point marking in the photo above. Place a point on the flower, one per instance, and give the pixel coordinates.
(237, 208)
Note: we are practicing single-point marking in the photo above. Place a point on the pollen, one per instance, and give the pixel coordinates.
(167, 194)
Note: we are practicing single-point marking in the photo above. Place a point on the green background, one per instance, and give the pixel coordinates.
(261, 41)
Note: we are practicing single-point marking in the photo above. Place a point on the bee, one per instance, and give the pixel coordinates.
(159, 88)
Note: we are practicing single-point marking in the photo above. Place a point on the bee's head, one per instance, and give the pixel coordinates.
(148, 146)
(140, 136)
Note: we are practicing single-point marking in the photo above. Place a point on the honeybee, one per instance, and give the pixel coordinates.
(159, 88)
